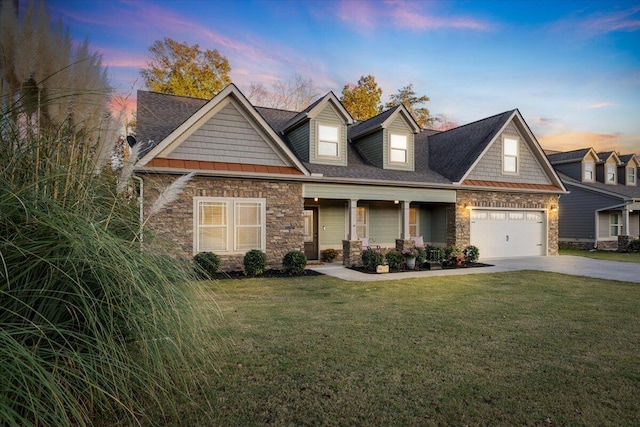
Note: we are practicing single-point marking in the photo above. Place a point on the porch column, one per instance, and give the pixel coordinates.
(625, 221)
(353, 219)
(404, 213)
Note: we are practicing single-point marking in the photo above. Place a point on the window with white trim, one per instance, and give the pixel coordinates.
(615, 224)
(611, 173)
(589, 166)
(362, 221)
(328, 141)
(510, 155)
(631, 175)
(398, 148)
(229, 225)
(413, 222)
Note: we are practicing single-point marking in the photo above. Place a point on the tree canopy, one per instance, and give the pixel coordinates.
(362, 101)
(407, 96)
(294, 93)
(181, 69)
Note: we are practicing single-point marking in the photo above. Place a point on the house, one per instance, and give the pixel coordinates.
(279, 180)
(602, 209)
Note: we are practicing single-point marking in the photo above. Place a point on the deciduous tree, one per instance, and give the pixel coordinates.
(294, 93)
(362, 101)
(407, 96)
(181, 69)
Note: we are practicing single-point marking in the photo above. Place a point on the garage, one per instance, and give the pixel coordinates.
(508, 233)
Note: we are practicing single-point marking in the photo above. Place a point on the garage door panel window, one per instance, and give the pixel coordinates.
(229, 225)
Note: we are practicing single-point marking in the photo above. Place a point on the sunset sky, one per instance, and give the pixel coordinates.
(571, 67)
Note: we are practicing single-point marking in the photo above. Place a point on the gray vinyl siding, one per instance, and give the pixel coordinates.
(489, 168)
(384, 223)
(573, 170)
(577, 213)
(372, 148)
(299, 139)
(328, 116)
(399, 126)
(228, 137)
(332, 220)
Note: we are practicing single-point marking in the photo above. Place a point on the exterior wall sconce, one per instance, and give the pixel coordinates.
(468, 207)
(554, 208)
(315, 199)
(395, 202)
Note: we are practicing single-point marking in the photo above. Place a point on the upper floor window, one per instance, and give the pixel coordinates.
(588, 171)
(611, 173)
(398, 152)
(229, 225)
(631, 176)
(510, 155)
(328, 141)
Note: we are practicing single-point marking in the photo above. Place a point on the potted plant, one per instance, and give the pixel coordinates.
(456, 258)
(410, 255)
(330, 254)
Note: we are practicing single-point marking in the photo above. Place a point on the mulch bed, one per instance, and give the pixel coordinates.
(269, 273)
(424, 268)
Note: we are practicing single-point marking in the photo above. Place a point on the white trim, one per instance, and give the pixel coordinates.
(339, 143)
(515, 157)
(406, 148)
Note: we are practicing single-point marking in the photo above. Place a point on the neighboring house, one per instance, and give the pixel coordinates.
(603, 204)
(279, 180)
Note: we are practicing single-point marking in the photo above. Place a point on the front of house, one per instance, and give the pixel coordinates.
(602, 209)
(279, 180)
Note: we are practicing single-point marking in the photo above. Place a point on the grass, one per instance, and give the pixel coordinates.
(604, 255)
(526, 348)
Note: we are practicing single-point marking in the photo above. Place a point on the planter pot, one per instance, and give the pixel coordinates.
(411, 263)
(458, 263)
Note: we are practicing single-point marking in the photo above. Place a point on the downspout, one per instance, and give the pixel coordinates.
(140, 207)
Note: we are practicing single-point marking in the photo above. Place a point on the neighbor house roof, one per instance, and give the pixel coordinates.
(620, 190)
(570, 156)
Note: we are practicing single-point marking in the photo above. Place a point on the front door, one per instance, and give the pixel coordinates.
(311, 233)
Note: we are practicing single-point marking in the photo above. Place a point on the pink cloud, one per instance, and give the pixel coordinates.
(358, 13)
(625, 20)
(600, 105)
(577, 140)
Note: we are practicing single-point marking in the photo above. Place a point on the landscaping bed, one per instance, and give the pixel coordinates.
(425, 267)
(268, 273)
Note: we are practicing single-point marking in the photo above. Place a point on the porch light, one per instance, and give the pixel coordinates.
(554, 208)
(395, 202)
(315, 199)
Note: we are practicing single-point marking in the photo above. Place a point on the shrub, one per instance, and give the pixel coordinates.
(255, 262)
(294, 262)
(422, 255)
(634, 245)
(395, 259)
(330, 254)
(371, 259)
(435, 253)
(206, 264)
(471, 254)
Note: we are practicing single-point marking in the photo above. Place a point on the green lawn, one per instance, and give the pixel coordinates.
(605, 255)
(525, 348)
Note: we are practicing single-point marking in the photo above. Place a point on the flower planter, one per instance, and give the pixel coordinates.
(410, 263)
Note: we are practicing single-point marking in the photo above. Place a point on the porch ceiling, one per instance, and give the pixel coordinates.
(371, 192)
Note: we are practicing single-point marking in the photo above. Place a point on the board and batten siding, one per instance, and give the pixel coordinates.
(399, 126)
(489, 168)
(228, 137)
(328, 116)
(299, 139)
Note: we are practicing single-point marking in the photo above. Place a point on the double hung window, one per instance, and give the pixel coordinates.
(398, 148)
(328, 141)
(510, 155)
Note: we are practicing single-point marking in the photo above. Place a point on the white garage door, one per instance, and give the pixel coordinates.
(505, 234)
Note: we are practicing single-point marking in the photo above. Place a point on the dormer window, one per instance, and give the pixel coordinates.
(611, 173)
(631, 175)
(510, 155)
(398, 147)
(588, 171)
(328, 141)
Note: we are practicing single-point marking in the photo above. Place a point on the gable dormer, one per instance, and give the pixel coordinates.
(588, 166)
(318, 134)
(607, 168)
(387, 140)
(628, 170)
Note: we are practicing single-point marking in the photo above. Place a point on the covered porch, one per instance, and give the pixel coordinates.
(348, 217)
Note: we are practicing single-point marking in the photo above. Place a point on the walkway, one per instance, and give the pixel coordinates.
(578, 266)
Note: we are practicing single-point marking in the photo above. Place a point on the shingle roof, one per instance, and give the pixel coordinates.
(366, 126)
(568, 156)
(451, 153)
(624, 191)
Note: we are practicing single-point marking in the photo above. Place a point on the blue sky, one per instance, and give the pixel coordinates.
(571, 67)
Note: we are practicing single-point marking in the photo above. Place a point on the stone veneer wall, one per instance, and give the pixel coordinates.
(352, 253)
(284, 213)
(459, 218)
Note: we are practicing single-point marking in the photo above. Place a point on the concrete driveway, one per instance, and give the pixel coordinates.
(577, 266)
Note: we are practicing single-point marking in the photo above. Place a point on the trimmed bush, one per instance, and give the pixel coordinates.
(395, 259)
(634, 246)
(294, 262)
(255, 262)
(471, 254)
(422, 255)
(435, 253)
(371, 259)
(206, 264)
